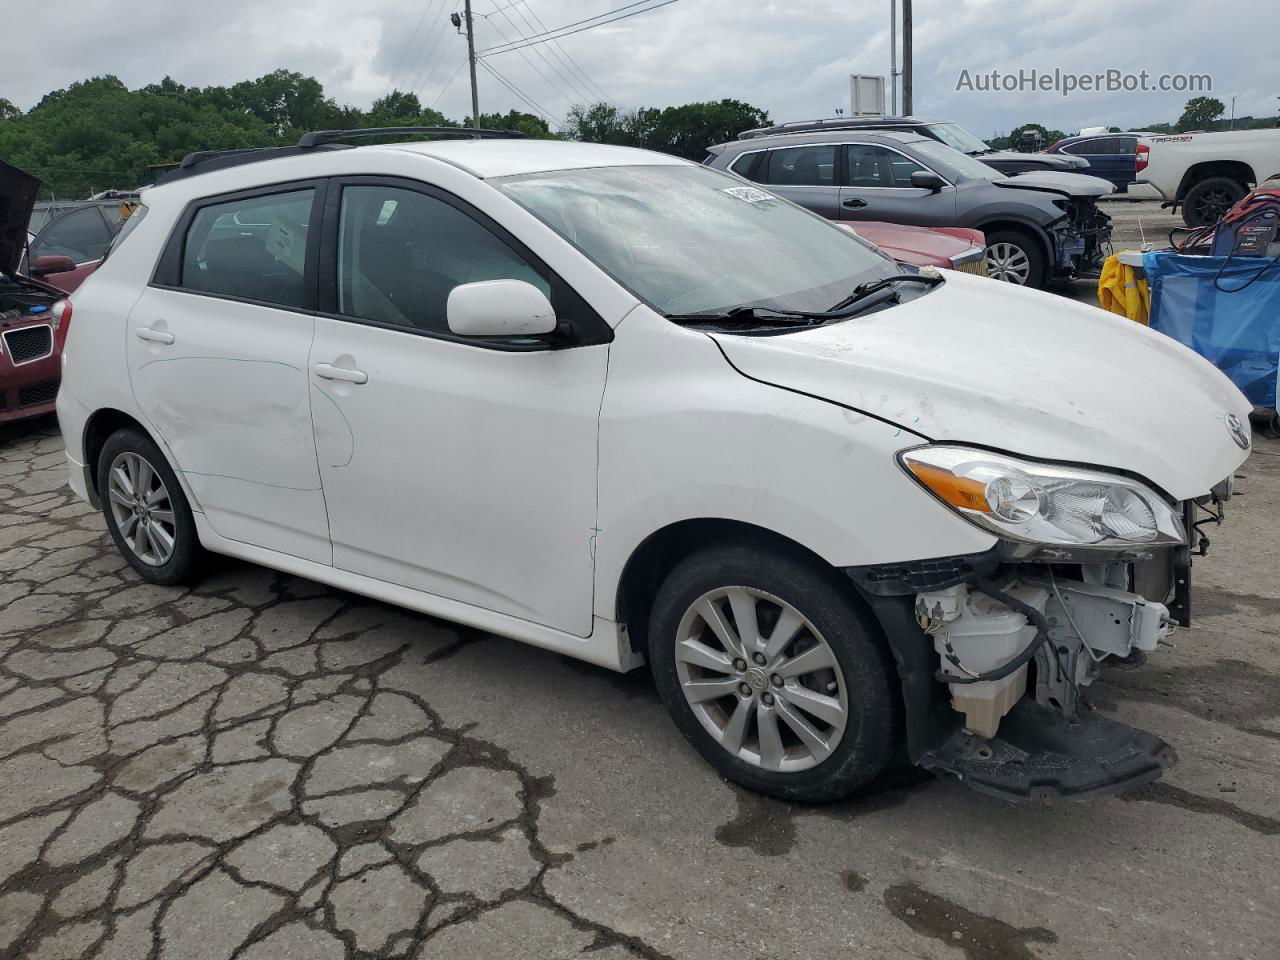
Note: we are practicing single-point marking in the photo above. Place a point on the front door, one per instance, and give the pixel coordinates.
(877, 186)
(217, 349)
(462, 468)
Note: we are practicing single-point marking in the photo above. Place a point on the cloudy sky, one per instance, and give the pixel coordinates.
(792, 59)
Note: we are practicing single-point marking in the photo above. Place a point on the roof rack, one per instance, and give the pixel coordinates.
(319, 138)
(831, 123)
(204, 161)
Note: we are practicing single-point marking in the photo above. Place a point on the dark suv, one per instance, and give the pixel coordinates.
(1008, 162)
(1039, 225)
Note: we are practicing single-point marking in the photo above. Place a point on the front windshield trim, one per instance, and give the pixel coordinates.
(880, 265)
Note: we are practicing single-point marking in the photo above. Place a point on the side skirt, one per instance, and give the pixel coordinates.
(607, 646)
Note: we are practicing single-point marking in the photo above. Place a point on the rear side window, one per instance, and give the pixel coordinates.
(803, 166)
(250, 249)
(81, 235)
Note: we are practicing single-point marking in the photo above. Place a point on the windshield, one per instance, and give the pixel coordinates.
(954, 135)
(686, 239)
(953, 164)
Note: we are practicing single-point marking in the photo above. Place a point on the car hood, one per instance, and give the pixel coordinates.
(18, 193)
(921, 246)
(986, 363)
(1067, 184)
(1053, 161)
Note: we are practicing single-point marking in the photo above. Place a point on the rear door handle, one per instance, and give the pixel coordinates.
(854, 202)
(155, 336)
(327, 371)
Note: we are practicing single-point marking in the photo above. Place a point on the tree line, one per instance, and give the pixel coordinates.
(98, 134)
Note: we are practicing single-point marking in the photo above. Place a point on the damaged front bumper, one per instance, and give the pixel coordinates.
(1082, 239)
(994, 651)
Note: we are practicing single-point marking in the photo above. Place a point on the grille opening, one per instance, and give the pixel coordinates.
(46, 391)
(29, 343)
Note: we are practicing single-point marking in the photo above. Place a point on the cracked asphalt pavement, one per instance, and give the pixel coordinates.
(263, 768)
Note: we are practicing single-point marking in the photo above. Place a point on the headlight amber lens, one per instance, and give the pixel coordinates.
(1044, 503)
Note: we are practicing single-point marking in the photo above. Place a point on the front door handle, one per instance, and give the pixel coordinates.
(155, 336)
(854, 202)
(327, 371)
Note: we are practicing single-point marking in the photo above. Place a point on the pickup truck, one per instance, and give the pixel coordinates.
(1207, 173)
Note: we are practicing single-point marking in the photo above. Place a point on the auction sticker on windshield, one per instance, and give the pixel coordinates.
(749, 194)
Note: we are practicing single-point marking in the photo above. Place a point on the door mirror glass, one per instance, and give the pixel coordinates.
(927, 180)
(499, 308)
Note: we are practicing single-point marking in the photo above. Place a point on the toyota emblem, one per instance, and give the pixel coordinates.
(1238, 432)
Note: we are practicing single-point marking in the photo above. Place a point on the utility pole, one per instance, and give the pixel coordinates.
(893, 54)
(906, 57)
(471, 59)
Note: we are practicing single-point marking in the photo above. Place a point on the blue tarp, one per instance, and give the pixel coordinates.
(1237, 327)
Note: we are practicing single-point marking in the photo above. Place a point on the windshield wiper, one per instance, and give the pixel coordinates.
(797, 318)
(864, 290)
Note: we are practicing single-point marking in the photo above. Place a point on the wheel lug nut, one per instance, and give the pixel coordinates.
(768, 699)
(759, 659)
(740, 665)
(776, 680)
(744, 689)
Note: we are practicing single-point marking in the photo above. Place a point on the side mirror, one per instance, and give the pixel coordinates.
(500, 308)
(51, 264)
(927, 180)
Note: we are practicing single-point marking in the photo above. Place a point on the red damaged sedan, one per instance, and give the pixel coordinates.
(956, 248)
(33, 315)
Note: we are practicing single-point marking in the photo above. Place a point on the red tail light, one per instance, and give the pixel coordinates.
(60, 318)
(1144, 154)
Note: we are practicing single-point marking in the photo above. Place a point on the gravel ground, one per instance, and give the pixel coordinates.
(266, 769)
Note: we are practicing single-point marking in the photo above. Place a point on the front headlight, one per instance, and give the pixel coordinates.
(1041, 503)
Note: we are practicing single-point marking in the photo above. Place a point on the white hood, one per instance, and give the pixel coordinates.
(982, 362)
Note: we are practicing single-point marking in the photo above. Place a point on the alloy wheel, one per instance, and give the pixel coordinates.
(761, 679)
(1212, 204)
(142, 509)
(1008, 262)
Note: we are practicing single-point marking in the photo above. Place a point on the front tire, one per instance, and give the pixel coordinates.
(1016, 257)
(146, 510)
(774, 674)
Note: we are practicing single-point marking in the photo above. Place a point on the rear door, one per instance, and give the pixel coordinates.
(807, 175)
(217, 348)
(877, 186)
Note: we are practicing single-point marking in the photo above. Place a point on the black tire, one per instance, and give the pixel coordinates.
(1037, 272)
(184, 563)
(869, 680)
(1206, 201)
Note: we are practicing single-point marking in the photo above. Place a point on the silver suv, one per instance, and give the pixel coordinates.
(1040, 226)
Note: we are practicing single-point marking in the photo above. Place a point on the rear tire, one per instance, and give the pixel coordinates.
(146, 510)
(809, 719)
(1016, 257)
(1209, 199)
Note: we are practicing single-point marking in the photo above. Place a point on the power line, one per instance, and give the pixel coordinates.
(412, 37)
(570, 95)
(537, 108)
(565, 31)
(429, 64)
(452, 77)
(559, 51)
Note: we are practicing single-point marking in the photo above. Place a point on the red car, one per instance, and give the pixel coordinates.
(71, 238)
(956, 248)
(33, 315)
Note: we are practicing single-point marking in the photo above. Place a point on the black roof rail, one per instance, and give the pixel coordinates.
(831, 123)
(318, 138)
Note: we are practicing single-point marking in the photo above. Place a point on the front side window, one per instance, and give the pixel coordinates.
(253, 249)
(81, 235)
(875, 166)
(802, 166)
(401, 252)
(688, 239)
